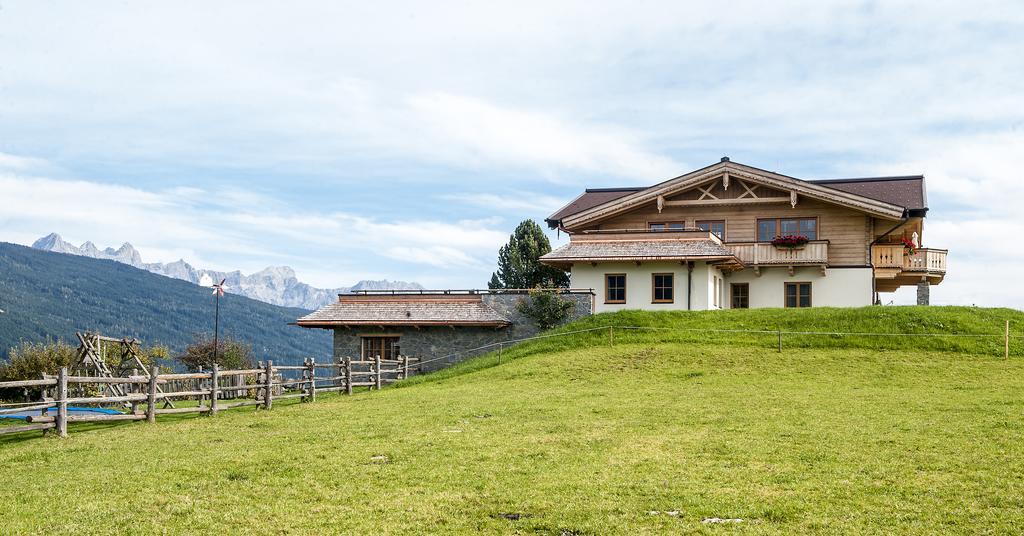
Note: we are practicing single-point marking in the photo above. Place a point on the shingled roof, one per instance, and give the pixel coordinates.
(905, 191)
(405, 310)
(590, 199)
(637, 250)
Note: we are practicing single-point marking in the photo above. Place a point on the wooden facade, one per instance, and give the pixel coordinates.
(728, 200)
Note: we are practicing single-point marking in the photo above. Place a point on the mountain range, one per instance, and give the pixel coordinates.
(45, 296)
(277, 285)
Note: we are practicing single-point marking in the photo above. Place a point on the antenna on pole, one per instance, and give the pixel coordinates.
(218, 291)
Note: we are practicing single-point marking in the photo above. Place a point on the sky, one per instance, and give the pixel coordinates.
(406, 140)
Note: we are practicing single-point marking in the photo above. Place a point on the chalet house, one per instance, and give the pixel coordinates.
(442, 326)
(735, 236)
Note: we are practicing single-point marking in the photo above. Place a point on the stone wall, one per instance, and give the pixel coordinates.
(429, 342)
(923, 292)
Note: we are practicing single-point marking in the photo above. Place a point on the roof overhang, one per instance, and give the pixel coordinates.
(774, 180)
(639, 246)
(569, 261)
(392, 323)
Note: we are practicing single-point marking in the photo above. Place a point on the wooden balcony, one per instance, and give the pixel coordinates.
(758, 254)
(894, 268)
(892, 258)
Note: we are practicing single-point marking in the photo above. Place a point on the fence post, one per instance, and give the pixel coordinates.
(377, 364)
(199, 387)
(215, 388)
(62, 402)
(780, 340)
(151, 408)
(1006, 341)
(501, 346)
(268, 394)
(312, 379)
(611, 336)
(133, 388)
(348, 375)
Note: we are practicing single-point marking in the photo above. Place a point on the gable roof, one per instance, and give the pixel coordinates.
(906, 191)
(884, 196)
(405, 310)
(591, 198)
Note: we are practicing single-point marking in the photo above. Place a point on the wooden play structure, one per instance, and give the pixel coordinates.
(93, 351)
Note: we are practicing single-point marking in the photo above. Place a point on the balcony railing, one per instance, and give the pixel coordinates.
(895, 256)
(760, 253)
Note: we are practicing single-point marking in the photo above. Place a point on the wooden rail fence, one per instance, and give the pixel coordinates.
(215, 390)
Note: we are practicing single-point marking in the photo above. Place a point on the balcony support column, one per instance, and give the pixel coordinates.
(923, 291)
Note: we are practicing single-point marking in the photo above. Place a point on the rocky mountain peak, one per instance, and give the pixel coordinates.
(278, 285)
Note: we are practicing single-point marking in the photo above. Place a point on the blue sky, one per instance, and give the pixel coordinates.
(405, 140)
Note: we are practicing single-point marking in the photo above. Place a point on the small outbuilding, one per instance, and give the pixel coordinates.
(440, 327)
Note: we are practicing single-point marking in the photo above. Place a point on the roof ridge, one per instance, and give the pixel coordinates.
(618, 189)
(868, 179)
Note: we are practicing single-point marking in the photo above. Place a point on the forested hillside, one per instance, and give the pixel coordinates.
(53, 295)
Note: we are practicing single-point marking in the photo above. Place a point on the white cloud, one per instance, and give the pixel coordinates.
(529, 203)
(975, 199)
(475, 130)
(245, 231)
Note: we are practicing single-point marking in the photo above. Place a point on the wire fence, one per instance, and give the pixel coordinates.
(269, 382)
(780, 338)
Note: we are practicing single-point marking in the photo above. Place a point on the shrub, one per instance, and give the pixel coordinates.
(546, 308)
(29, 361)
(231, 354)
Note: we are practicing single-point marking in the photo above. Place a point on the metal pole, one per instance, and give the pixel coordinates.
(780, 341)
(216, 328)
(1006, 341)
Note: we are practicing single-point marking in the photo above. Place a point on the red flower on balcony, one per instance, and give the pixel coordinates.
(909, 244)
(790, 241)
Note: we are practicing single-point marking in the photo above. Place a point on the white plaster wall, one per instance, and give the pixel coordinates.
(840, 287)
(639, 284)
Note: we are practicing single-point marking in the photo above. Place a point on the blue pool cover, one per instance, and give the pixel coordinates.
(21, 415)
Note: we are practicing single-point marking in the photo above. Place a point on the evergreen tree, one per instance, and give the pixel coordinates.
(518, 265)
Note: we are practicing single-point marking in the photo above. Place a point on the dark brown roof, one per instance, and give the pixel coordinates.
(907, 191)
(590, 198)
(405, 310)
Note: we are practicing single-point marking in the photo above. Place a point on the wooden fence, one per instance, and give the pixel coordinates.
(214, 390)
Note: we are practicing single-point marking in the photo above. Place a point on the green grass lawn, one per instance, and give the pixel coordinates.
(578, 438)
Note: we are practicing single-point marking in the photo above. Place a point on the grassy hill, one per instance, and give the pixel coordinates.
(52, 295)
(657, 433)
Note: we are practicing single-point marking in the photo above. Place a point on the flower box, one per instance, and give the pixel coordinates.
(790, 242)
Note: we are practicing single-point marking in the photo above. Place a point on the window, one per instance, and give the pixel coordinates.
(715, 226)
(663, 288)
(615, 288)
(741, 295)
(385, 346)
(666, 226)
(766, 230)
(770, 228)
(798, 294)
